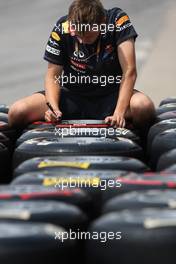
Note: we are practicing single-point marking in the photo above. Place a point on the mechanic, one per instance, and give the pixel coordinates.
(91, 71)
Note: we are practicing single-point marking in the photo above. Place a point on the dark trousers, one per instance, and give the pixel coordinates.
(75, 106)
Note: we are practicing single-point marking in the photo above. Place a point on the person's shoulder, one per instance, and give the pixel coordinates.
(62, 25)
(116, 13)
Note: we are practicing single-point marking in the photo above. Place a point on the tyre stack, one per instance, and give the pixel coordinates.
(8, 137)
(17, 218)
(81, 150)
(138, 222)
(44, 156)
(97, 186)
(161, 137)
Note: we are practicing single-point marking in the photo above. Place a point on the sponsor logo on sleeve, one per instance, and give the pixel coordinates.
(53, 50)
(53, 43)
(55, 36)
(122, 20)
(65, 27)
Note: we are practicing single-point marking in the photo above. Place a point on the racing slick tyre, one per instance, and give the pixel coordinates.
(94, 183)
(76, 146)
(141, 199)
(165, 116)
(34, 243)
(29, 192)
(4, 108)
(166, 160)
(81, 162)
(139, 182)
(57, 132)
(4, 117)
(100, 186)
(39, 124)
(4, 140)
(170, 100)
(9, 132)
(4, 164)
(158, 128)
(171, 169)
(83, 122)
(67, 123)
(57, 213)
(143, 236)
(165, 108)
(162, 143)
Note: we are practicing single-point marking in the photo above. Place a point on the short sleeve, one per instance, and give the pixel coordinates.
(124, 29)
(54, 48)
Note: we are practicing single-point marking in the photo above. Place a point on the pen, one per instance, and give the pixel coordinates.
(51, 108)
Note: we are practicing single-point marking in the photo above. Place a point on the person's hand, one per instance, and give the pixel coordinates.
(116, 120)
(50, 117)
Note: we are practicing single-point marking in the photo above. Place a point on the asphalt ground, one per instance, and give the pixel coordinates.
(26, 25)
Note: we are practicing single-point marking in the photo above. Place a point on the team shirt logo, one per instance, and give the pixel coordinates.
(53, 43)
(65, 27)
(122, 20)
(52, 50)
(55, 36)
(79, 54)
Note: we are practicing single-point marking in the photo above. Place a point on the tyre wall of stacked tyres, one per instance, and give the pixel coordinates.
(84, 191)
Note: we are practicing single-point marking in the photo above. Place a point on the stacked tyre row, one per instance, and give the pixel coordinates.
(81, 191)
(8, 137)
(162, 137)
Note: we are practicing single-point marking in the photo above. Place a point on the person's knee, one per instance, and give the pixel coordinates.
(143, 109)
(17, 114)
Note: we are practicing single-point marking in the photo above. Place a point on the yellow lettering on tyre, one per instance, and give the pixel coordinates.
(49, 181)
(81, 165)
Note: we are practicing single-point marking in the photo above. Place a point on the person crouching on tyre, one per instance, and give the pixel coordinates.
(91, 71)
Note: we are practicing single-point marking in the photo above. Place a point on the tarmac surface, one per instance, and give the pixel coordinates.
(25, 27)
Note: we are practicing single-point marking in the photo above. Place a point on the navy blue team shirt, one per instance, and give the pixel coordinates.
(86, 71)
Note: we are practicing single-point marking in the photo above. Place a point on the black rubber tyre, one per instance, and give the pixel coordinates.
(81, 162)
(57, 213)
(83, 121)
(11, 133)
(4, 117)
(4, 108)
(141, 199)
(95, 183)
(78, 132)
(143, 236)
(171, 169)
(158, 128)
(5, 167)
(166, 160)
(46, 132)
(39, 124)
(28, 192)
(165, 108)
(169, 100)
(104, 185)
(139, 182)
(34, 243)
(4, 140)
(76, 146)
(165, 116)
(162, 143)
(43, 124)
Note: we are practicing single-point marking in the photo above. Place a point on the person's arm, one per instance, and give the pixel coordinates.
(126, 55)
(52, 90)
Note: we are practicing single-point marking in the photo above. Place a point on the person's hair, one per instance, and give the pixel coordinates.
(86, 12)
